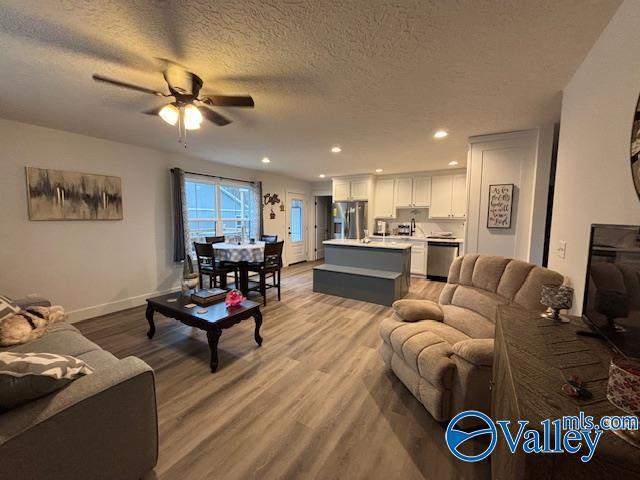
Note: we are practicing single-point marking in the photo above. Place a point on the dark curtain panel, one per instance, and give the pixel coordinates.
(258, 203)
(179, 218)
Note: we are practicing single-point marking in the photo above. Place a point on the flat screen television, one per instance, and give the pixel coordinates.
(612, 289)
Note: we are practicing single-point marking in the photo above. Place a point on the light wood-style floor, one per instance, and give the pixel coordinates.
(314, 402)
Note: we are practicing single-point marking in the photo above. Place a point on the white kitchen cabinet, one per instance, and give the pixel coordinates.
(459, 196)
(448, 196)
(341, 190)
(441, 186)
(383, 204)
(351, 189)
(421, 191)
(412, 192)
(419, 258)
(359, 190)
(403, 193)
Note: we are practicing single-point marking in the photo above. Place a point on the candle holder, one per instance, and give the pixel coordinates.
(556, 298)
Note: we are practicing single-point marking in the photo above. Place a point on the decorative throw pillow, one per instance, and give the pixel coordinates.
(7, 307)
(27, 376)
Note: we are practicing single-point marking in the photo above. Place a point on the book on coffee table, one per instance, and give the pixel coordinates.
(207, 297)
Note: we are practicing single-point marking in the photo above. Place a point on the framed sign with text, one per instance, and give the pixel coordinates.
(500, 205)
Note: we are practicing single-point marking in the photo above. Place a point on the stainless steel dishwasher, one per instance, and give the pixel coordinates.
(440, 255)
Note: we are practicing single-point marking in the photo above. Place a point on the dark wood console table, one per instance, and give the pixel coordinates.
(534, 357)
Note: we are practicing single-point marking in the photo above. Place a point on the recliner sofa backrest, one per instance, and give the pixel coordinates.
(482, 282)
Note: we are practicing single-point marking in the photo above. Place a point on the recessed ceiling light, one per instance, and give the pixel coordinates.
(266, 160)
(440, 134)
(378, 170)
(453, 163)
(322, 175)
(336, 149)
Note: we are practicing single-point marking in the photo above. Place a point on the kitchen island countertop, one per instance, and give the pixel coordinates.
(390, 244)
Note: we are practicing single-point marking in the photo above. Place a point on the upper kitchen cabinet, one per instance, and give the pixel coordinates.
(449, 196)
(341, 190)
(360, 189)
(459, 196)
(348, 189)
(412, 191)
(383, 203)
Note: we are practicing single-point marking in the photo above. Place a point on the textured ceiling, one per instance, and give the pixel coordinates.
(376, 77)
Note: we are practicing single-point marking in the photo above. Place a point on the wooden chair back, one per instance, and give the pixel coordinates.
(219, 239)
(269, 238)
(273, 255)
(204, 254)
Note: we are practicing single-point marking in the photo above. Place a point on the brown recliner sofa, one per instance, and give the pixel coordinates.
(443, 352)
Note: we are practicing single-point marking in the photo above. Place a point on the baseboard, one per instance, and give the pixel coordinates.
(105, 308)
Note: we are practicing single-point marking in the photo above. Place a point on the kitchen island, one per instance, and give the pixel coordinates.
(377, 271)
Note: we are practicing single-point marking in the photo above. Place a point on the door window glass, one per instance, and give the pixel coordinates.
(296, 220)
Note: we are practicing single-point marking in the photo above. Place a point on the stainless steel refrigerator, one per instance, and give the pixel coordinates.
(349, 219)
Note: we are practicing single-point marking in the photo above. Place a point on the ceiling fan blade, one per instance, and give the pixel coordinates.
(118, 83)
(228, 100)
(154, 111)
(214, 117)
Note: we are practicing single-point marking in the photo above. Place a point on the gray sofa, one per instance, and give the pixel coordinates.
(101, 426)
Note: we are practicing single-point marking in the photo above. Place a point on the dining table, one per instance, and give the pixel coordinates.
(242, 255)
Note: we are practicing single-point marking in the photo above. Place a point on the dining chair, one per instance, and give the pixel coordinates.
(272, 265)
(269, 238)
(208, 266)
(219, 239)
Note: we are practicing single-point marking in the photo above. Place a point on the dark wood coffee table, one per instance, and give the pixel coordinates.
(217, 318)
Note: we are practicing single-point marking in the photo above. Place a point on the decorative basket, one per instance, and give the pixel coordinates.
(623, 389)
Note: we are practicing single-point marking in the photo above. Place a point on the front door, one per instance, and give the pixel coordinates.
(296, 246)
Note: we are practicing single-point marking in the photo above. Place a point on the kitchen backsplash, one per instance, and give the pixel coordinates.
(425, 225)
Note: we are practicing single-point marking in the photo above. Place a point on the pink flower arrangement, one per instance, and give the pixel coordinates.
(234, 298)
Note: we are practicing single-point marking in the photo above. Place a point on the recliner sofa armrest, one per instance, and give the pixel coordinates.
(478, 351)
(413, 310)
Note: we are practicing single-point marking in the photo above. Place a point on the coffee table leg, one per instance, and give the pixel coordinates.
(213, 336)
(152, 326)
(258, 319)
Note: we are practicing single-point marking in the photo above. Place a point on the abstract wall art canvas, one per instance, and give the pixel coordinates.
(635, 149)
(61, 195)
(500, 206)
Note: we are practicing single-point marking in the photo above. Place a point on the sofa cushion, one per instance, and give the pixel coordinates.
(61, 340)
(428, 355)
(395, 332)
(513, 277)
(529, 294)
(487, 272)
(480, 301)
(26, 376)
(98, 359)
(468, 322)
(413, 310)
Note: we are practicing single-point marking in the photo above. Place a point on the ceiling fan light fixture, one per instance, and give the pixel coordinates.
(192, 117)
(169, 113)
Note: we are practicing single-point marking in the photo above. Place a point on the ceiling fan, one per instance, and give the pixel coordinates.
(188, 108)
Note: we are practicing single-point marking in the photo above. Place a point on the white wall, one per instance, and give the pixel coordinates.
(593, 176)
(95, 267)
(523, 159)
